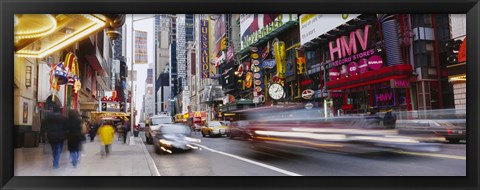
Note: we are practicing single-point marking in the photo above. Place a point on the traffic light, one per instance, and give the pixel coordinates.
(301, 65)
(452, 47)
(122, 106)
(104, 106)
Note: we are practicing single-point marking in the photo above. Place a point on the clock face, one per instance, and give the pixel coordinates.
(276, 91)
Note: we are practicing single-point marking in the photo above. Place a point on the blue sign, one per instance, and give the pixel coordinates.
(269, 63)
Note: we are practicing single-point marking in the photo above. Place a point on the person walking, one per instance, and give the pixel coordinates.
(126, 129)
(390, 119)
(56, 134)
(93, 130)
(74, 135)
(120, 130)
(106, 133)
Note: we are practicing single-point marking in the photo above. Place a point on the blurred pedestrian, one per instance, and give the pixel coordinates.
(372, 118)
(390, 119)
(73, 124)
(93, 130)
(126, 129)
(56, 133)
(85, 124)
(106, 133)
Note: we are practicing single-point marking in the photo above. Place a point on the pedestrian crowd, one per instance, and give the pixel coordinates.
(58, 128)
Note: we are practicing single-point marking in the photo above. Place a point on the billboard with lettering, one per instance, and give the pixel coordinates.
(141, 47)
(314, 25)
(256, 26)
(204, 49)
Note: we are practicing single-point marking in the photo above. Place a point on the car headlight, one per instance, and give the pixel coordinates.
(165, 142)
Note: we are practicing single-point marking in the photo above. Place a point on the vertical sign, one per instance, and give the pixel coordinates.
(25, 112)
(141, 47)
(204, 48)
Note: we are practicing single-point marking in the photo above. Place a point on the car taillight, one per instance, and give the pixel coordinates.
(449, 131)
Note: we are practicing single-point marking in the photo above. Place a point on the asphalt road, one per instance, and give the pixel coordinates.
(221, 156)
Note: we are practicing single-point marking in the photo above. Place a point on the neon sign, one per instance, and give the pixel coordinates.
(344, 49)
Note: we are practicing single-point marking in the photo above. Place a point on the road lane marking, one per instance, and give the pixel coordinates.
(251, 161)
(432, 155)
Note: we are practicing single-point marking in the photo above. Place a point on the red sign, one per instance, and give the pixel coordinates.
(335, 94)
(399, 83)
(462, 52)
(352, 69)
(343, 71)
(375, 62)
(306, 82)
(362, 66)
(334, 74)
(307, 94)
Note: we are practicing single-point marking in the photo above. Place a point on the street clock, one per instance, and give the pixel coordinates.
(276, 91)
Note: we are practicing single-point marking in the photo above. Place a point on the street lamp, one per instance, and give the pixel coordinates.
(132, 114)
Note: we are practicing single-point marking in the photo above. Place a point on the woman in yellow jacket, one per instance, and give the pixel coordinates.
(106, 134)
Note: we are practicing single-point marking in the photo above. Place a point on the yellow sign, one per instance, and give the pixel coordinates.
(306, 17)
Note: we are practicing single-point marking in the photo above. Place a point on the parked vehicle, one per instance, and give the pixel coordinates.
(214, 128)
(170, 138)
(154, 125)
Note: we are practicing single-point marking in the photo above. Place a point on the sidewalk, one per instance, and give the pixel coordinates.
(124, 160)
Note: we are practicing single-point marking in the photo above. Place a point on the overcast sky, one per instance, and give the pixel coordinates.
(146, 25)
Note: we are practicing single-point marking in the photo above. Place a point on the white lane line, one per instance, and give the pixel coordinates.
(251, 161)
(432, 155)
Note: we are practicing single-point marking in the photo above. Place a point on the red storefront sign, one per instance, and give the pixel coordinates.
(352, 69)
(399, 83)
(384, 74)
(362, 66)
(334, 74)
(375, 62)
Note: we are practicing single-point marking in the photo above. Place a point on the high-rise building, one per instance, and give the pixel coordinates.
(163, 39)
(181, 53)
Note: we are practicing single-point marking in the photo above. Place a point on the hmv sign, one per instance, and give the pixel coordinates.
(399, 83)
(353, 50)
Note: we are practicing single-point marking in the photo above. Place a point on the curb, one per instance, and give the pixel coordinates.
(151, 164)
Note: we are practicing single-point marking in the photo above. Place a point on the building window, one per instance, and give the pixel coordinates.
(427, 20)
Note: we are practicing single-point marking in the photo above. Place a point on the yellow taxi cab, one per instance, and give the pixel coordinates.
(214, 128)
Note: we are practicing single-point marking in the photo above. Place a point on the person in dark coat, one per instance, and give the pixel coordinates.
(56, 134)
(390, 119)
(93, 130)
(73, 124)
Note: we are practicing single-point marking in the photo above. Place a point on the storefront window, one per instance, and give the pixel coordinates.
(311, 58)
(385, 97)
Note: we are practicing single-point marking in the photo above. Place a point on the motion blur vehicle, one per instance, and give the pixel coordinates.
(214, 128)
(238, 129)
(291, 129)
(447, 123)
(154, 125)
(171, 138)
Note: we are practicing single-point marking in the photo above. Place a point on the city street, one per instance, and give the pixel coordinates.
(221, 156)
(314, 94)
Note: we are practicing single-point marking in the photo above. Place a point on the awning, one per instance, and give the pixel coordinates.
(100, 115)
(37, 36)
(372, 77)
